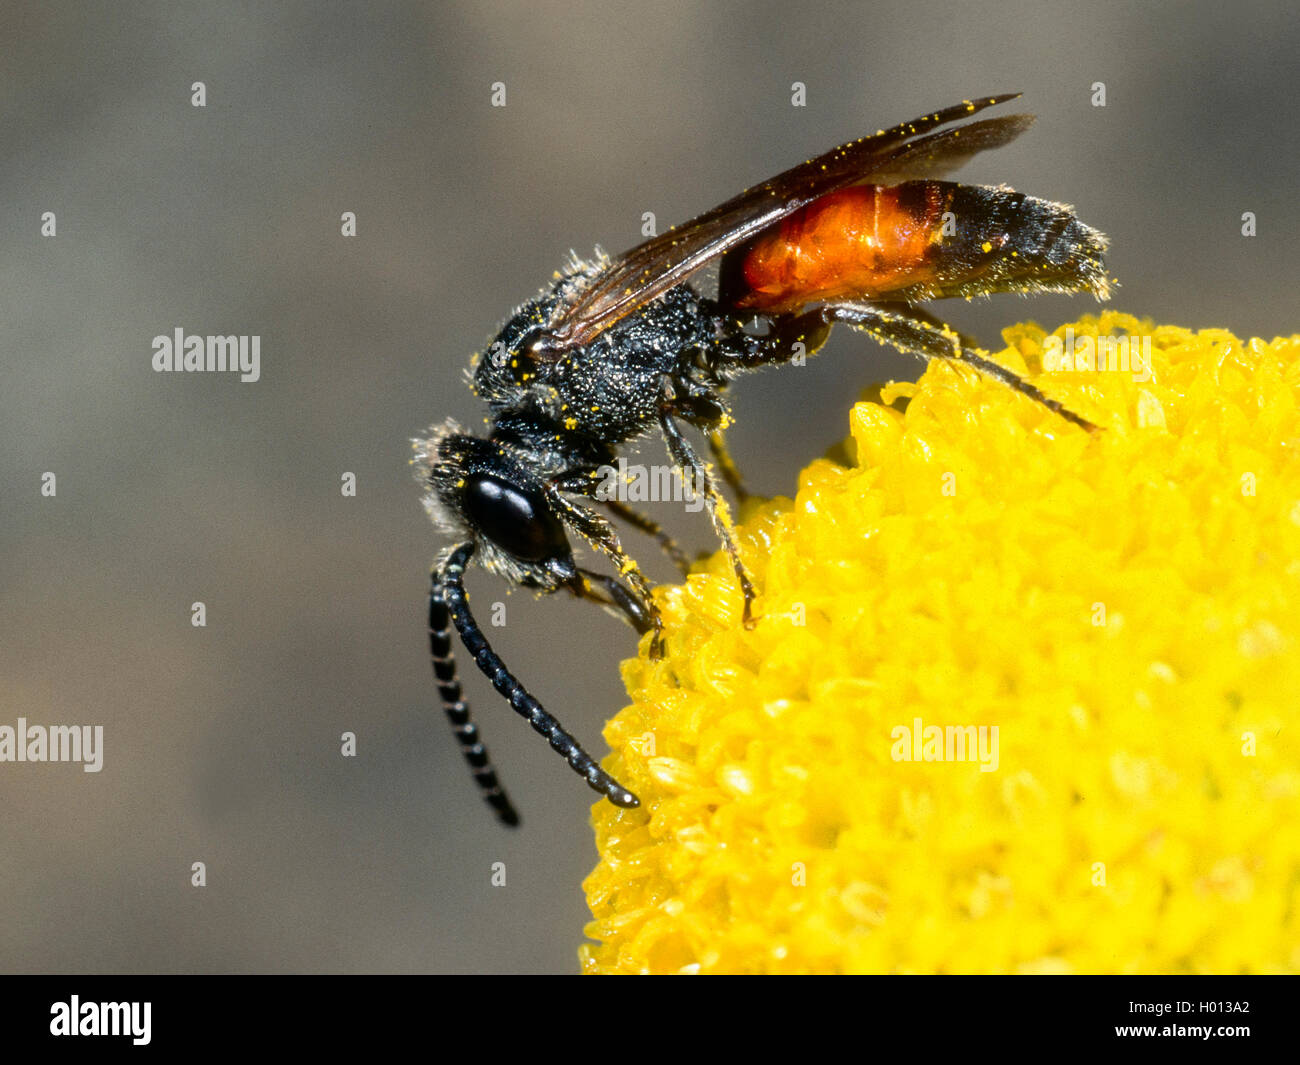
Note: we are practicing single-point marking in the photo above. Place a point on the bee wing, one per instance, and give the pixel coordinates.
(939, 154)
(651, 268)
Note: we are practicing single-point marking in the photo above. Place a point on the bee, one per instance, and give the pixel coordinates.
(617, 348)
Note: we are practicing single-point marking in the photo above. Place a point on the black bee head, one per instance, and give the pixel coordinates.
(478, 490)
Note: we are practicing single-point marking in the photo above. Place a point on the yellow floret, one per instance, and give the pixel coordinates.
(1123, 606)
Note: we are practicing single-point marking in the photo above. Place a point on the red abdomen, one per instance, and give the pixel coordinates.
(859, 242)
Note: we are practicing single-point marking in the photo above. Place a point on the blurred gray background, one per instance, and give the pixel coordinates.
(222, 743)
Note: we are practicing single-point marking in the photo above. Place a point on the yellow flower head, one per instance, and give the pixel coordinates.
(1021, 698)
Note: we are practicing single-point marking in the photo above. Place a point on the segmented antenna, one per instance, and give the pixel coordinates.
(457, 710)
(447, 596)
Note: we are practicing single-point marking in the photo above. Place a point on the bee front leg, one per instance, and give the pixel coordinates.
(602, 535)
(616, 597)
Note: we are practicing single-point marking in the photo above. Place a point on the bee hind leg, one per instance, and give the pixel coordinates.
(917, 333)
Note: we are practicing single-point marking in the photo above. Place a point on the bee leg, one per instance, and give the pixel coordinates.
(457, 710)
(603, 536)
(652, 528)
(450, 590)
(911, 310)
(792, 337)
(912, 333)
(616, 596)
(688, 461)
(727, 465)
(699, 403)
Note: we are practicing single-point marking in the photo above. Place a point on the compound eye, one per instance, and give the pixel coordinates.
(515, 519)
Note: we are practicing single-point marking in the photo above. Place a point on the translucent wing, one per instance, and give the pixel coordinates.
(939, 154)
(912, 149)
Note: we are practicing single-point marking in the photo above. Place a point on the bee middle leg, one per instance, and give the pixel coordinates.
(791, 337)
(727, 465)
(687, 460)
(651, 528)
(699, 402)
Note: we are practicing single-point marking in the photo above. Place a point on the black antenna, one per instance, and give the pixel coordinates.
(453, 702)
(447, 596)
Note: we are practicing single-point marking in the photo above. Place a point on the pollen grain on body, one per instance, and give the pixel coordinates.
(1124, 608)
